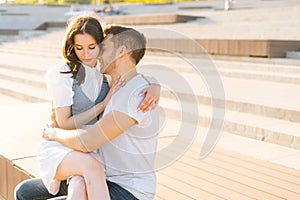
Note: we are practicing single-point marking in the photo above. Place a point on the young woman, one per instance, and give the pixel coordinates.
(80, 93)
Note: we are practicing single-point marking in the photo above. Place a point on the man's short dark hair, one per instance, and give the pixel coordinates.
(130, 38)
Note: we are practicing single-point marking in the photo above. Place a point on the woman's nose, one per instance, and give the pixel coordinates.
(86, 52)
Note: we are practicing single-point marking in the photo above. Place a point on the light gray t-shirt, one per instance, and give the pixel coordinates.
(129, 158)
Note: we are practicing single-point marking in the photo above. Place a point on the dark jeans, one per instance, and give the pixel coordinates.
(34, 189)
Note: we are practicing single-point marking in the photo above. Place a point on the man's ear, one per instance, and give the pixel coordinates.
(123, 50)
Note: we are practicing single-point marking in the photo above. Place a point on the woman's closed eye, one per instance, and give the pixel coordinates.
(92, 47)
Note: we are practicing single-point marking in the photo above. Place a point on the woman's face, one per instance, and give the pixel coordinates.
(86, 49)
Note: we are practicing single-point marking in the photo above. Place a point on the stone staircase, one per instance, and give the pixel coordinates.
(261, 100)
(23, 78)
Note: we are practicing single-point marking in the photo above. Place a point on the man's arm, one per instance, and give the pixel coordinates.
(110, 126)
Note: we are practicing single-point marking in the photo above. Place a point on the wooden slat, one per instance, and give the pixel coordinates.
(270, 175)
(229, 184)
(266, 174)
(244, 177)
(221, 177)
(190, 191)
(205, 185)
(268, 167)
(266, 183)
(165, 192)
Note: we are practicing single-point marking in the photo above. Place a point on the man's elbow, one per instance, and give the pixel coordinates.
(83, 149)
(89, 149)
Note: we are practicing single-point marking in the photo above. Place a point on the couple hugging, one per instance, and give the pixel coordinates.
(104, 136)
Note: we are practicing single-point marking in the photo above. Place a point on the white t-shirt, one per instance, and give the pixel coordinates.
(129, 158)
(59, 85)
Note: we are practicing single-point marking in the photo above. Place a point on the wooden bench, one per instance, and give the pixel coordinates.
(233, 47)
(222, 175)
(149, 19)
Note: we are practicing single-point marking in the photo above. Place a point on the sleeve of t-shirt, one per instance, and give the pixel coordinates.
(59, 86)
(128, 104)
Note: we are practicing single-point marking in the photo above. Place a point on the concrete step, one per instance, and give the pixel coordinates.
(258, 94)
(21, 34)
(249, 103)
(241, 95)
(259, 65)
(237, 73)
(23, 91)
(26, 69)
(21, 75)
(31, 51)
(269, 99)
(40, 47)
(237, 121)
(257, 71)
(29, 61)
(38, 41)
(277, 74)
(284, 133)
(6, 100)
(229, 62)
(31, 46)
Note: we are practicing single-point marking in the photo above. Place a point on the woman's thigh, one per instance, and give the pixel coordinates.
(77, 163)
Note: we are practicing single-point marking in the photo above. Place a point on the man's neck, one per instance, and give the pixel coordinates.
(127, 76)
(127, 70)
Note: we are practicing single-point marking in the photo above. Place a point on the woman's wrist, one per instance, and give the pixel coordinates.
(99, 107)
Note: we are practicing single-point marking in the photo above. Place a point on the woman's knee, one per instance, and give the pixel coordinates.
(94, 163)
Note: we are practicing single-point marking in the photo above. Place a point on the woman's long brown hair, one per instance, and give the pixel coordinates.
(79, 25)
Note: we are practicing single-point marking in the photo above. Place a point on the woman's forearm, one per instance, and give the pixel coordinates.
(65, 121)
(69, 138)
(83, 118)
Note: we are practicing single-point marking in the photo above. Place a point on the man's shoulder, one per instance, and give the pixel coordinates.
(136, 84)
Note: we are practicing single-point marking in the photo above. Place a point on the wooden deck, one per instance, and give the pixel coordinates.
(223, 174)
(226, 175)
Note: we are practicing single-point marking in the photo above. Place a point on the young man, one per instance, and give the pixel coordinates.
(125, 137)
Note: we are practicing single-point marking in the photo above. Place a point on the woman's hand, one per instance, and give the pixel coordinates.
(116, 85)
(49, 133)
(152, 97)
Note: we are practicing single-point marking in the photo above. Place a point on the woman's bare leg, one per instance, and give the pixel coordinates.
(89, 166)
(77, 188)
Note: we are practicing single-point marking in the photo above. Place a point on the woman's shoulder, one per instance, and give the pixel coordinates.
(54, 74)
(57, 69)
